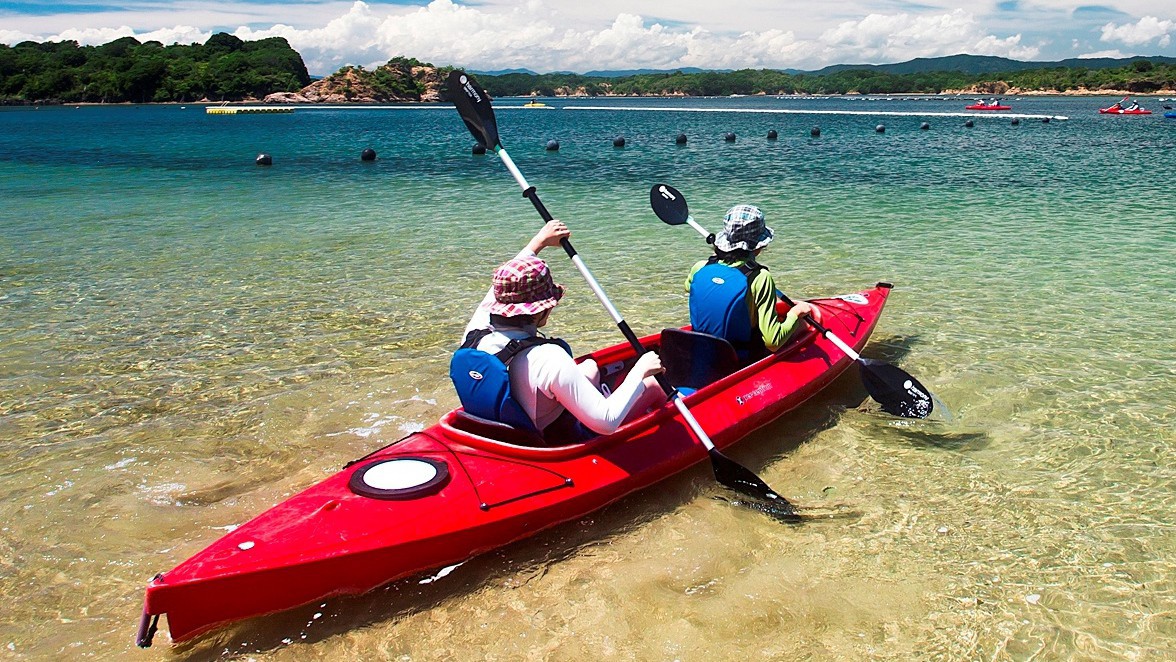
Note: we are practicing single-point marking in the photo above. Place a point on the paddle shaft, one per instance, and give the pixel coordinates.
(530, 193)
(473, 105)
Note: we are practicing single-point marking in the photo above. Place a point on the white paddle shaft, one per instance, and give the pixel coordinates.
(576, 260)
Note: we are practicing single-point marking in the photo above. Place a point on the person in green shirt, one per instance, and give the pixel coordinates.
(732, 296)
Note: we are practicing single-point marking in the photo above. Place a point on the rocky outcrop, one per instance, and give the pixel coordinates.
(399, 80)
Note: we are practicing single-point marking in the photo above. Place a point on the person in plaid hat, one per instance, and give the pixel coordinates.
(733, 296)
(561, 398)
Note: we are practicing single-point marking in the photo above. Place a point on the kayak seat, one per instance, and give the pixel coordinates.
(694, 359)
(484, 427)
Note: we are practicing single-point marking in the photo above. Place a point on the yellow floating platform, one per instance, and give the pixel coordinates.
(225, 110)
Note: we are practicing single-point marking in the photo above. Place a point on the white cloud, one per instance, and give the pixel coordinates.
(1112, 54)
(1145, 30)
(15, 37)
(180, 34)
(547, 35)
(900, 37)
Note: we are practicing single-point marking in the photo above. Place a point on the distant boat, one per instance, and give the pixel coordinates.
(1118, 109)
(985, 106)
(1123, 111)
(535, 104)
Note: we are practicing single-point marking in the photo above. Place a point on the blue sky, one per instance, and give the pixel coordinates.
(573, 35)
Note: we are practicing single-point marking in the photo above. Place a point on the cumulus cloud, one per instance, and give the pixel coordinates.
(15, 37)
(180, 34)
(1143, 31)
(898, 37)
(525, 35)
(537, 35)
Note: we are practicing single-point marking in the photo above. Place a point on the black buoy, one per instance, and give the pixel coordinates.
(681, 139)
(1045, 120)
(619, 141)
(729, 137)
(925, 126)
(1016, 121)
(553, 145)
(815, 132)
(478, 148)
(772, 134)
(881, 128)
(969, 124)
(264, 159)
(368, 154)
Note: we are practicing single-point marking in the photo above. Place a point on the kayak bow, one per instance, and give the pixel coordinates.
(465, 486)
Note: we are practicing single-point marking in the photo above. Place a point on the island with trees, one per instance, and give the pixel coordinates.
(225, 68)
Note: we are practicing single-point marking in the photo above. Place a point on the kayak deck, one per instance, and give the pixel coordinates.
(479, 489)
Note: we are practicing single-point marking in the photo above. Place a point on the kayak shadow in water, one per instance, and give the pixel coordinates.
(891, 349)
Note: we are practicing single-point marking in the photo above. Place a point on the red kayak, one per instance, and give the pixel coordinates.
(465, 486)
(1123, 111)
(981, 106)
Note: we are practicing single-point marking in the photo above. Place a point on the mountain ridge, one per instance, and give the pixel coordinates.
(963, 63)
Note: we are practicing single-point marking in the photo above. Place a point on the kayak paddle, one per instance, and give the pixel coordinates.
(897, 391)
(476, 111)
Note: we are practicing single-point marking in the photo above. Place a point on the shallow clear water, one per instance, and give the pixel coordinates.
(187, 338)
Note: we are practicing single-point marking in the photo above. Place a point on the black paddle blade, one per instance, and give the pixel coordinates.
(739, 478)
(473, 104)
(668, 204)
(897, 391)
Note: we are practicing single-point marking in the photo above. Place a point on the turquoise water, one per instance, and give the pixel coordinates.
(186, 338)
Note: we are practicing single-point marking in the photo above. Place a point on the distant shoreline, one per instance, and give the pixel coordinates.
(1160, 95)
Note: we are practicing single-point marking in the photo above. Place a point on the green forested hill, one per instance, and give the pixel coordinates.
(226, 68)
(223, 68)
(988, 64)
(1137, 75)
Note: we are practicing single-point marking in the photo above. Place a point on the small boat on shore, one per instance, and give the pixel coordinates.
(466, 486)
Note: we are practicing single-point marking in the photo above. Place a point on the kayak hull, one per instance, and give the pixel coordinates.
(331, 540)
(980, 107)
(1123, 111)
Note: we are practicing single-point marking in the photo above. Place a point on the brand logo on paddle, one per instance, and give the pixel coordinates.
(470, 91)
(665, 193)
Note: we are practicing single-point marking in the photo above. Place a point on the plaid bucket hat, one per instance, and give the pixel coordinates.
(524, 286)
(743, 229)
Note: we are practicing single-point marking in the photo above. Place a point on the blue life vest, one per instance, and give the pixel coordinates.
(482, 379)
(718, 305)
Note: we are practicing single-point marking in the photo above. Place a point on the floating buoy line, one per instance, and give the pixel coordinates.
(793, 111)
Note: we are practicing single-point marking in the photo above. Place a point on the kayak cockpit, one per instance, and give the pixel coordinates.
(694, 362)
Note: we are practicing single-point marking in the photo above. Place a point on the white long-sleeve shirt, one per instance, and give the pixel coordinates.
(545, 380)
